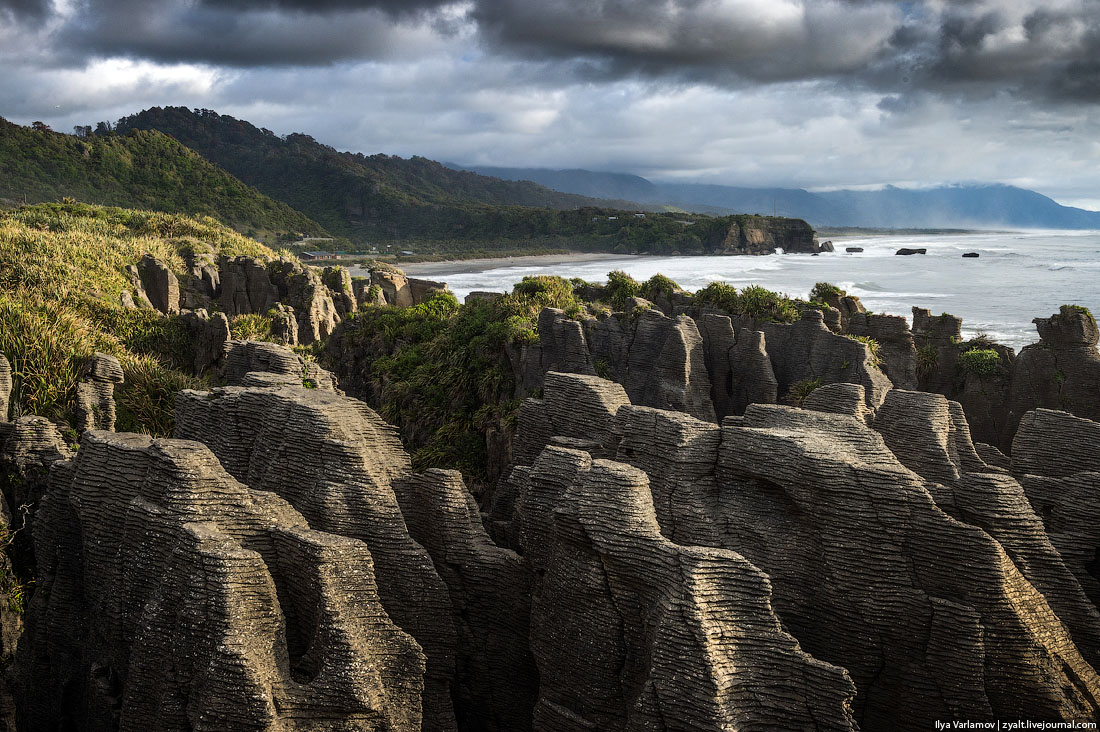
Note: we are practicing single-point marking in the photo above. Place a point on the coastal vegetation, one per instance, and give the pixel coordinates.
(62, 275)
(143, 169)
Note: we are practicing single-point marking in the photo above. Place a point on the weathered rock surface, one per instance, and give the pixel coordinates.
(632, 631)
(1056, 457)
(245, 286)
(338, 281)
(739, 369)
(897, 349)
(463, 599)
(967, 615)
(302, 288)
(172, 597)
(394, 285)
(95, 394)
(495, 677)
(160, 284)
(6, 385)
(807, 351)
(930, 436)
(243, 359)
(1061, 371)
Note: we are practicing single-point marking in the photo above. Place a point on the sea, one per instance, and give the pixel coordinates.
(1017, 276)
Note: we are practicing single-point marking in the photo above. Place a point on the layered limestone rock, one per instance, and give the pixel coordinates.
(808, 351)
(284, 325)
(6, 385)
(209, 333)
(280, 365)
(394, 286)
(897, 349)
(172, 597)
(302, 288)
(659, 360)
(344, 469)
(160, 284)
(245, 286)
(1056, 457)
(632, 631)
(739, 369)
(666, 366)
(138, 298)
(1061, 371)
(930, 436)
(967, 613)
(338, 281)
(95, 394)
(495, 677)
(846, 399)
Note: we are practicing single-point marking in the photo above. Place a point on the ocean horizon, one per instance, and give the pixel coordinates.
(1018, 276)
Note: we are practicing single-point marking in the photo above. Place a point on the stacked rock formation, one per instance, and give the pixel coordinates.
(1054, 456)
(95, 394)
(160, 284)
(960, 610)
(172, 597)
(463, 599)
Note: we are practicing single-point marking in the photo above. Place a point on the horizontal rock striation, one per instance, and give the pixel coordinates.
(341, 466)
(963, 610)
(172, 597)
(632, 631)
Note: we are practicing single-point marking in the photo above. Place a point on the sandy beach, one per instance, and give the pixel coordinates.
(467, 266)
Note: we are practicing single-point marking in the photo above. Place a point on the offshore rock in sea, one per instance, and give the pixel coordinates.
(172, 597)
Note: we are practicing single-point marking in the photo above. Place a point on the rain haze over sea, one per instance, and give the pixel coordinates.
(1019, 275)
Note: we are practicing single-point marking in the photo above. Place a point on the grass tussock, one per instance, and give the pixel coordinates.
(62, 272)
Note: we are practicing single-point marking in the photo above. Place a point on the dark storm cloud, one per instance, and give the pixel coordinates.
(393, 7)
(248, 33)
(24, 9)
(1032, 49)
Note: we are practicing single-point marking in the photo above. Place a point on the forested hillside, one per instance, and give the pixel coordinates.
(368, 198)
(142, 169)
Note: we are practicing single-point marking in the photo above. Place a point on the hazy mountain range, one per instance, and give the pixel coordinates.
(960, 206)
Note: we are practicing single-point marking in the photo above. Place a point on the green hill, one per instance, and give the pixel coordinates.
(62, 271)
(142, 169)
(375, 197)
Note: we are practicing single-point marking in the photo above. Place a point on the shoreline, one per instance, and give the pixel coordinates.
(468, 266)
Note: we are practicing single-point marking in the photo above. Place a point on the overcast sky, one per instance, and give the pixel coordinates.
(803, 93)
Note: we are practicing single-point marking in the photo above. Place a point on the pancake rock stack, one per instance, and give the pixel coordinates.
(859, 563)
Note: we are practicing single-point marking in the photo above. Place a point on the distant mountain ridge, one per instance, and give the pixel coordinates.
(960, 206)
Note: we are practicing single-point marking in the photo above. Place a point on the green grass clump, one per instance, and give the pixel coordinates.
(823, 290)
(658, 285)
(720, 296)
(980, 361)
(62, 271)
(872, 346)
(753, 301)
(927, 358)
(620, 288)
(799, 390)
(250, 327)
(439, 370)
